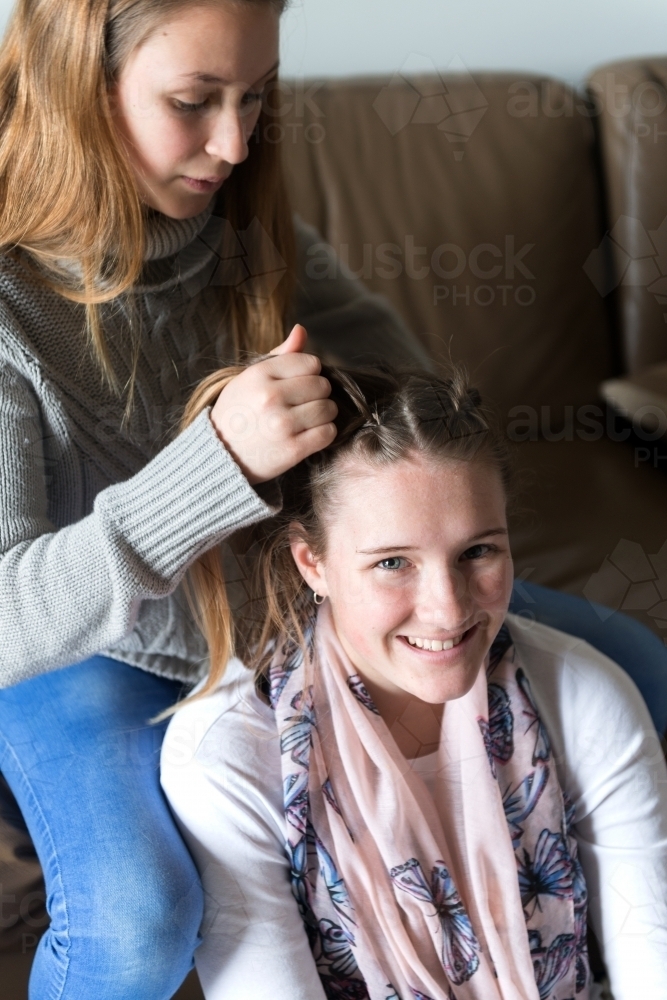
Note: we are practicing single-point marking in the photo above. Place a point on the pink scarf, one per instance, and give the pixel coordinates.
(475, 893)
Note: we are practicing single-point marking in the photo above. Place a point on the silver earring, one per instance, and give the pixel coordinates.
(318, 598)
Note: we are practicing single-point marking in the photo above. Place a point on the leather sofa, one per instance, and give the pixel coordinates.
(517, 226)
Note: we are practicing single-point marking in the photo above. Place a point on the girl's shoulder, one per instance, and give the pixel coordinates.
(558, 662)
(228, 728)
(597, 720)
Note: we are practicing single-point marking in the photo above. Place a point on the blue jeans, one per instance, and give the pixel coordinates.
(123, 895)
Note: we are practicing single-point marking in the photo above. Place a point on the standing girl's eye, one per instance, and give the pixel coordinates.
(393, 563)
(250, 99)
(189, 108)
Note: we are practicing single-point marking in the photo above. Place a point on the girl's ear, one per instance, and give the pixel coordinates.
(308, 565)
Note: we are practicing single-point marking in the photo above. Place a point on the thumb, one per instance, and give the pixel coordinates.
(295, 343)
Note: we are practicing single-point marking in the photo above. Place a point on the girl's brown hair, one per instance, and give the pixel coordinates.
(384, 415)
(67, 191)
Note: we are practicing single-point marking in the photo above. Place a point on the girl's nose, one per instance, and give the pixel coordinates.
(227, 138)
(444, 600)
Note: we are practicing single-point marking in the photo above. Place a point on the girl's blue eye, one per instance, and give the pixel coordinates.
(251, 98)
(394, 563)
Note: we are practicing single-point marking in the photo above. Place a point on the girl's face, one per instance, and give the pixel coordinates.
(188, 100)
(418, 572)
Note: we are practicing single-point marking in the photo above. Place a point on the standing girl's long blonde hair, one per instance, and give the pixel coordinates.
(67, 191)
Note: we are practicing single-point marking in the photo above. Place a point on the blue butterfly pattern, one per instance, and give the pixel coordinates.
(296, 739)
(344, 989)
(520, 801)
(498, 732)
(295, 792)
(336, 888)
(280, 672)
(360, 692)
(460, 948)
(552, 963)
(336, 949)
(548, 873)
(291, 658)
(580, 899)
(542, 749)
(499, 646)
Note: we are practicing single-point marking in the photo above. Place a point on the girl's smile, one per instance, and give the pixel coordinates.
(439, 645)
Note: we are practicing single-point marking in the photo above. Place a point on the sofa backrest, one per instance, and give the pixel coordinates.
(631, 109)
(473, 206)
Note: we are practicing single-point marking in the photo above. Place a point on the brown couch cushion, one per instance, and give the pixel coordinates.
(473, 211)
(632, 263)
(591, 520)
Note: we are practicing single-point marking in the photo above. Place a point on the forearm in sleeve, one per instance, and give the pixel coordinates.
(66, 594)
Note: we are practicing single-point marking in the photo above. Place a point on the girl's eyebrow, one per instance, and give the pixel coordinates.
(412, 548)
(209, 78)
(386, 548)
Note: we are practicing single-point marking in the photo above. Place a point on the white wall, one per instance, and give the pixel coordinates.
(562, 37)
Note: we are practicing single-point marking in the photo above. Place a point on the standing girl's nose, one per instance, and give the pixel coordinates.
(228, 135)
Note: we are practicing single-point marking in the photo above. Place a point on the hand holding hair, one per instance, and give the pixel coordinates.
(277, 412)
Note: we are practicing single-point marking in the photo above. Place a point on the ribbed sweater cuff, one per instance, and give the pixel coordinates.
(187, 499)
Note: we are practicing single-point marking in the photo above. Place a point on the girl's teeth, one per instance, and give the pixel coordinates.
(434, 644)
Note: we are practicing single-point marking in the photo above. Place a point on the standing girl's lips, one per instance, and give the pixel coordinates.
(205, 184)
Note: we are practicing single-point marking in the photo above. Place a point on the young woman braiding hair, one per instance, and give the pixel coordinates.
(411, 794)
(141, 210)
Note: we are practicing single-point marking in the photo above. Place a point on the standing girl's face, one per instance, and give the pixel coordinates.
(418, 572)
(189, 97)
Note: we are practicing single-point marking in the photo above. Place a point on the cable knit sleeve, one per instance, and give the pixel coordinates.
(65, 594)
(345, 321)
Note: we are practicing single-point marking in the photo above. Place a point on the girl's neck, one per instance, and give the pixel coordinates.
(415, 725)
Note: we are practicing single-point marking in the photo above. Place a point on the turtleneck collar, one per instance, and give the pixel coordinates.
(166, 237)
(174, 250)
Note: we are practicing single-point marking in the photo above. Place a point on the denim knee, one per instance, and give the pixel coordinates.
(152, 940)
(134, 936)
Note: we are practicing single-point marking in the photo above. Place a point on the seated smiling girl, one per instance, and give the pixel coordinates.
(414, 794)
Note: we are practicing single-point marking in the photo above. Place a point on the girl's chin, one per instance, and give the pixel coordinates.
(458, 685)
(185, 205)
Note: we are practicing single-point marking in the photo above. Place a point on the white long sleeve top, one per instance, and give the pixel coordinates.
(221, 772)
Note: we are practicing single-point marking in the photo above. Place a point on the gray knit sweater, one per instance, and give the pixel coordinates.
(99, 521)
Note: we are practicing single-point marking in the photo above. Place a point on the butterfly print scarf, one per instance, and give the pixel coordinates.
(472, 893)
